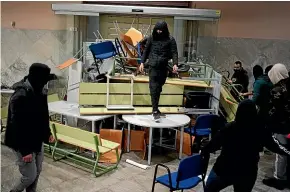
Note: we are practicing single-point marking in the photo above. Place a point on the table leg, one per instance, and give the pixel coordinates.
(175, 138)
(93, 127)
(128, 138)
(115, 121)
(181, 142)
(160, 139)
(93, 131)
(150, 145)
(100, 126)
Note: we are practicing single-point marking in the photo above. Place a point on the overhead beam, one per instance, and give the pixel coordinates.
(165, 11)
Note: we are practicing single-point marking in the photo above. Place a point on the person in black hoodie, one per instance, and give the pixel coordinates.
(160, 48)
(237, 163)
(28, 125)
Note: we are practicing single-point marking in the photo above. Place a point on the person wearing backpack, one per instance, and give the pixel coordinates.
(28, 125)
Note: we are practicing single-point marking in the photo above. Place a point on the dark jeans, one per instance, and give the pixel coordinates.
(156, 81)
(215, 183)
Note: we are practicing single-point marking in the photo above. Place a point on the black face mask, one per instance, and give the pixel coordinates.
(37, 83)
(237, 70)
(38, 76)
(162, 26)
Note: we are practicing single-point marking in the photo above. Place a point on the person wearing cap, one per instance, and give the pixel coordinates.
(28, 125)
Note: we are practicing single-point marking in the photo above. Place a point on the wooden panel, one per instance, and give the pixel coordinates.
(102, 88)
(52, 98)
(171, 81)
(4, 113)
(92, 99)
(138, 110)
(125, 88)
(229, 108)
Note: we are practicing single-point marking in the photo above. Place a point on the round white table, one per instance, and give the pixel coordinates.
(170, 121)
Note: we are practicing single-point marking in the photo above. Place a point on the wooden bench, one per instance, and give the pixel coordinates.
(85, 140)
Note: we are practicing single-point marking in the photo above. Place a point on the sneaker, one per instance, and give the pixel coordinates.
(161, 114)
(275, 183)
(156, 116)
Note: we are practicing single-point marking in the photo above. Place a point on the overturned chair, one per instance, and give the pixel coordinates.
(82, 139)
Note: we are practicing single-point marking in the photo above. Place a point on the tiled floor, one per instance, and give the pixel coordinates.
(61, 177)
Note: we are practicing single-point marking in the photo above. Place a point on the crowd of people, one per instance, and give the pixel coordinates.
(261, 122)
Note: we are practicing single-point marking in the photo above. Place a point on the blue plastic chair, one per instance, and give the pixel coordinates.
(102, 50)
(203, 125)
(191, 171)
(202, 128)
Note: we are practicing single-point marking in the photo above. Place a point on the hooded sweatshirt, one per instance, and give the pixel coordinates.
(160, 48)
(28, 117)
(262, 92)
(279, 113)
(278, 73)
(239, 156)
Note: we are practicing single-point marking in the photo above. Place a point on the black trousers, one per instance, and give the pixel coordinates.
(157, 79)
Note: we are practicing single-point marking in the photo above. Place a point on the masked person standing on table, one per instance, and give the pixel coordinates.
(28, 125)
(240, 77)
(160, 48)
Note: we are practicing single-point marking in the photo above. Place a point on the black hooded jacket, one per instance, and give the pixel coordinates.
(161, 48)
(241, 141)
(28, 119)
(241, 77)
